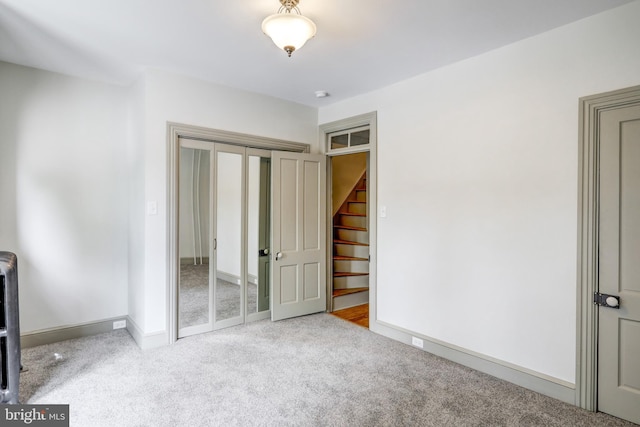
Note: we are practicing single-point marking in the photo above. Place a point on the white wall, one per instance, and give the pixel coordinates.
(136, 202)
(64, 195)
(477, 165)
(180, 99)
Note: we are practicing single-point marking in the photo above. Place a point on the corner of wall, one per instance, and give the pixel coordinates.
(136, 172)
(146, 341)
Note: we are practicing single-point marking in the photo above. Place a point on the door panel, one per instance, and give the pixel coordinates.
(195, 284)
(288, 212)
(630, 205)
(289, 287)
(258, 233)
(311, 236)
(629, 372)
(299, 247)
(619, 266)
(311, 281)
(230, 237)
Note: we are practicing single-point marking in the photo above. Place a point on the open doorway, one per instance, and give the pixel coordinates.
(350, 144)
(350, 245)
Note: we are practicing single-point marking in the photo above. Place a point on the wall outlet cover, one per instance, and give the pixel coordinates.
(417, 342)
(119, 324)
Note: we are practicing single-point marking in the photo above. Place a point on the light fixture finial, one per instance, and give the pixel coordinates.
(289, 31)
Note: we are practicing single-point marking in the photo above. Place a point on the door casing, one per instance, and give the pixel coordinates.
(588, 207)
(368, 119)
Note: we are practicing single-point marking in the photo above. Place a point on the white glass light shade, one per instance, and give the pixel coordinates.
(289, 31)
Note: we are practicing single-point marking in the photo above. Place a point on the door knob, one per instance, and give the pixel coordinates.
(263, 252)
(612, 301)
(278, 255)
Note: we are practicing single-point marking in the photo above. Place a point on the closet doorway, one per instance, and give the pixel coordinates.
(223, 236)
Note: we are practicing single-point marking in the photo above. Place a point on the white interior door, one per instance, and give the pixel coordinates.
(299, 234)
(619, 263)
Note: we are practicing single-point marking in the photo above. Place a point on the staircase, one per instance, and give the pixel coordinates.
(351, 250)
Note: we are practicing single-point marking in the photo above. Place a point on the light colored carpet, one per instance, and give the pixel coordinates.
(311, 371)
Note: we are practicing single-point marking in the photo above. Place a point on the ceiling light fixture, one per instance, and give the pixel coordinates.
(289, 31)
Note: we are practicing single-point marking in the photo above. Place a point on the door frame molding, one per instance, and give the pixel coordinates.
(371, 120)
(588, 238)
(175, 131)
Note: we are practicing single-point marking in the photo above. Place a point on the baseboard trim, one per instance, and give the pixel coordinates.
(189, 261)
(228, 277)
(541, 383)
(146, 341)
(49, 336)
(350, 300)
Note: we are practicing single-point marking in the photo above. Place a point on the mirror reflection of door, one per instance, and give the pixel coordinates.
(224, 217)
(259, 212)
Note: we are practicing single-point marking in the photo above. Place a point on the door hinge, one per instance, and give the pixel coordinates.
(606, 300)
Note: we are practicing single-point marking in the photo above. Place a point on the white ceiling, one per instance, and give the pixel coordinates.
(361, 45)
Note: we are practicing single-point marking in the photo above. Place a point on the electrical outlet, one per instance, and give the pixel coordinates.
(417, 342)
(119, 324)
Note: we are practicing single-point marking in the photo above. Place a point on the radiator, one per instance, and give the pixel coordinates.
(9, 329)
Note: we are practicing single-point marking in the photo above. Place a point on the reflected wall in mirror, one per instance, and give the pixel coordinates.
(229, 278)
(194, 232)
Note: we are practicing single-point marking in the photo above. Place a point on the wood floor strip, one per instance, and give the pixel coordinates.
(358, 315)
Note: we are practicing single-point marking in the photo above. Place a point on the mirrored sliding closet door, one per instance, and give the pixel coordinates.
(223, 236)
